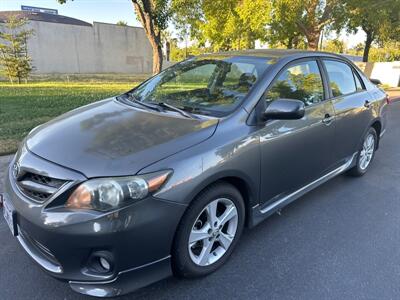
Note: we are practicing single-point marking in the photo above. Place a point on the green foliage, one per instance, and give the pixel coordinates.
(161, 12)
(390, 52)
(179, 54)
(218, 25)
(283, 30)
(379, 19)
(335, 46)
(296, 20)
(386, 52)
(225, 24)
(14, 58)
(234, 24)
(122, 23)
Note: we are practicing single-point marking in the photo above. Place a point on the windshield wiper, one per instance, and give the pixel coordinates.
(161, 106)
(178, 110)
(150, 106)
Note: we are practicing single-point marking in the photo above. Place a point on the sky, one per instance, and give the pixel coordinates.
(112, 11)
(107, 11)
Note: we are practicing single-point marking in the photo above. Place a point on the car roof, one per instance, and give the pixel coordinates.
(275, 53)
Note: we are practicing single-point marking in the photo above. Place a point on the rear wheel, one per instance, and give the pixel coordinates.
(365, 154)
(209, 231)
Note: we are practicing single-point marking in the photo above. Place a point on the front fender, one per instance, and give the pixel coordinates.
(210, 161)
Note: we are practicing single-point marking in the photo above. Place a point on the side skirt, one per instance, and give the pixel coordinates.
(259, 213)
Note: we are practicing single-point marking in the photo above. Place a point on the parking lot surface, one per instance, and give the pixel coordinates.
(341, 241)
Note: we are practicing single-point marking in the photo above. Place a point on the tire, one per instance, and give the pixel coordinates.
(187, 259)
(362, 165)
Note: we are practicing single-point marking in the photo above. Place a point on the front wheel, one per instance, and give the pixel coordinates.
(365, 154)
(209, 231)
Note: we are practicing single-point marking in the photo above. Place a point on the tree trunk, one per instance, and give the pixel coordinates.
(155, 42)
(312, 34)
(313, 40)
(295, 42)
(153, 34)
(367, 47)
(290, 42)
(157, 59)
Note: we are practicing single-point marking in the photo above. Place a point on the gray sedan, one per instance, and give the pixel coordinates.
(162, 180)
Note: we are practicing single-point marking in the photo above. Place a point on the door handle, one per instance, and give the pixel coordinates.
(328, 119)
(367, 104)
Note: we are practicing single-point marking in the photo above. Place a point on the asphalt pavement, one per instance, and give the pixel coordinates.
(340, 241)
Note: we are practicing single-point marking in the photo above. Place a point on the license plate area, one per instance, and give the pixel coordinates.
(10, 216)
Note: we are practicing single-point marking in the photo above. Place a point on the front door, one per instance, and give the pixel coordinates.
(296, 152)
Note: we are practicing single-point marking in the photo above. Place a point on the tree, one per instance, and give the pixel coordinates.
(283, 29)
(13, 49)
(307, 17)
(390, 51)
(256, 15)
(224, 24)
(335, 45)
(122, 23)
(179, 54)
(380, 20)
(154, 16)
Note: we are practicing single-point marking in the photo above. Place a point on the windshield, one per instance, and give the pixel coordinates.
(205, 85)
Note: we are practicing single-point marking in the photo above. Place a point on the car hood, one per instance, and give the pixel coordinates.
(109, 138)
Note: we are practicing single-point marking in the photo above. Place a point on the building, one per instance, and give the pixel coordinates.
(70, 46)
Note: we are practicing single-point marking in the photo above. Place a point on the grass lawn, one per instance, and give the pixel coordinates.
(23, 107)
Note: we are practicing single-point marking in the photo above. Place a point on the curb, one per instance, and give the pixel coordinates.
(394, 100)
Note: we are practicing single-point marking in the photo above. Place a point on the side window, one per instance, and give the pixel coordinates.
(359, 86)
(301, 81)
(341, 79)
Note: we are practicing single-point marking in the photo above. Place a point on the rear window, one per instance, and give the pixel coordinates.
(341, 79)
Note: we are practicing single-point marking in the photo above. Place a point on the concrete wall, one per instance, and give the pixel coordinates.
(101, 48)
(387, 72)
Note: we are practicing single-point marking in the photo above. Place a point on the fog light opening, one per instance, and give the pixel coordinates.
(100, 263)
(105, 264)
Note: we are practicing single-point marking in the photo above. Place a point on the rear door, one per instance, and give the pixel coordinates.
(296, 152)
(352, 106)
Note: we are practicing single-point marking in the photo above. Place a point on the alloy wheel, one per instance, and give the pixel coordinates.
(367, 151)
(213, 232)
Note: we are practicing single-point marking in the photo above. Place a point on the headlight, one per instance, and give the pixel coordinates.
(107, 193)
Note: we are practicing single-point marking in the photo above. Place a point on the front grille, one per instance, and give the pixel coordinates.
(53, 182)
(39, 187)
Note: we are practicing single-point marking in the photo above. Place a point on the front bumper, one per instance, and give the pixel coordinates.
(127, 281)
(137, 238)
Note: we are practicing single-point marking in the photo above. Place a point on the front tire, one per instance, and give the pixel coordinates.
(366, 154)
(209, 231)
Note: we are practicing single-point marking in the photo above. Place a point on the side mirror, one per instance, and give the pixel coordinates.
(284, 109)
(375, 81)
